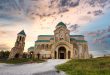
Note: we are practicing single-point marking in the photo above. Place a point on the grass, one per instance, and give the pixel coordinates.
(96, 66)
(21, 61)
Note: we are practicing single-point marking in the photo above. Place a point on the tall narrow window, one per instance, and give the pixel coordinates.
(20, 38)
(69, 54)
(55, 55)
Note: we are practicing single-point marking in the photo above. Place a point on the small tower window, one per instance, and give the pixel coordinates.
(20, 38)
(61, 38)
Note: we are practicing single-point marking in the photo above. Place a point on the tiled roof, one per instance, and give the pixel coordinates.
(45, 35)
(51, 38)
(53, 35)
(43, 41)
(72, 39)
(77, 35)
(61, 24)
(81, 41)
(77, 40)
(22, 32)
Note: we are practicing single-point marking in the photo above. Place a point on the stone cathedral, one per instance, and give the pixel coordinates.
(17, 50)
(61, 45)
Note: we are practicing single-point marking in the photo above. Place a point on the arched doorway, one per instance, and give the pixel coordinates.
(17, 55)
(62, 53)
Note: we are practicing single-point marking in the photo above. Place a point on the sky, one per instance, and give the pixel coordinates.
(37, 17)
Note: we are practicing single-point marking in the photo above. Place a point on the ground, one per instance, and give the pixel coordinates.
(31, 69)
(95, 66)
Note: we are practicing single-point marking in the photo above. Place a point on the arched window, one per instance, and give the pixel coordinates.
(47, 46)
(42, 46)
(69, 54)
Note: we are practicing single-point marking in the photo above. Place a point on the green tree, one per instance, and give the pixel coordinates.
(4, 54)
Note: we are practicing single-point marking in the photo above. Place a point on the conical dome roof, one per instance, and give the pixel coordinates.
(61, 24)
(22, 32)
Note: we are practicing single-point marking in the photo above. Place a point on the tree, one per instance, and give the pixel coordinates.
(91, 56)
(4, 54)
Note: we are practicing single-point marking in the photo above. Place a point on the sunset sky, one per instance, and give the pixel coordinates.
(37, 17)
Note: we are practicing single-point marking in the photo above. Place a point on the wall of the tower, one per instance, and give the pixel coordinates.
(17, 50)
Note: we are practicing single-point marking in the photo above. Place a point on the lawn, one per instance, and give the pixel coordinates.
(21, 61)
(95, 66)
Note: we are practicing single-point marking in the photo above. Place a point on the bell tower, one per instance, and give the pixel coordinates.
(17, 50)
(61, 32)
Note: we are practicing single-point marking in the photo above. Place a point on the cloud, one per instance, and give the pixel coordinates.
(42, 16)
(98, 12)
(69, 3)
(74, 28)
(4, 47)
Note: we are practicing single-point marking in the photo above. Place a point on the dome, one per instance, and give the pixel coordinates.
(61, 24)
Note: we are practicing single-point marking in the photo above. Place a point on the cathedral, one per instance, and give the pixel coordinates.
(61, 45)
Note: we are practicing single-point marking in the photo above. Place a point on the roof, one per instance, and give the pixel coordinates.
(43, 41)
(51, 38)
(53, 35)
(72, 39)
(77, 40)
(61, 24)
(45, 35)
(30, 48)
(81, 41)
(22, 32)
(77, 35)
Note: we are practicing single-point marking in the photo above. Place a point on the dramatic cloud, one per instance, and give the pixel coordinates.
(74, 28)
(41, 16)
(100, 38)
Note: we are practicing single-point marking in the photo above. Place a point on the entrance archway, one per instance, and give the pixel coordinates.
(17, 55)
(62, 53)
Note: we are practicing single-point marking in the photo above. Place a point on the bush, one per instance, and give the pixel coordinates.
(4, 54)
(21, 61)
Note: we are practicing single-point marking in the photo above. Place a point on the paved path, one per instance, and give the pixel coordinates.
(46, 68)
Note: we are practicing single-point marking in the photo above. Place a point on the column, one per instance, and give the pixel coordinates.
(66, 54)
(80, 51)
(57, 55)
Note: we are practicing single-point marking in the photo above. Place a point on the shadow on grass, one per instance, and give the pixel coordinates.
(21, 61)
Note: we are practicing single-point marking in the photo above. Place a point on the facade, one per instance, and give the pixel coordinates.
(17, 50)
(61, 45)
